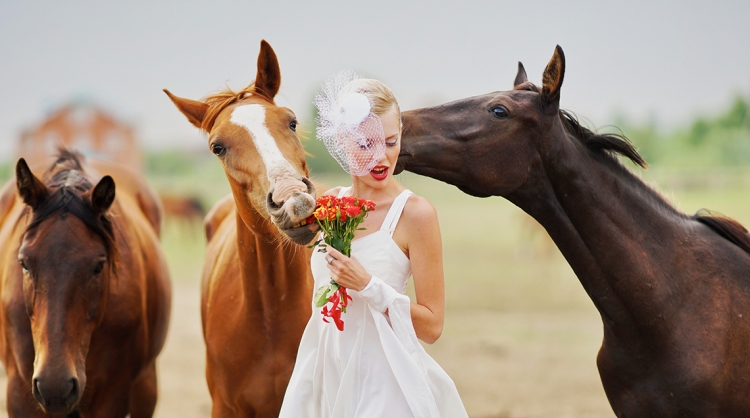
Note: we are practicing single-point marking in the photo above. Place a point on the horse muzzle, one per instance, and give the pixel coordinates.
(57, 396)
(290, 214)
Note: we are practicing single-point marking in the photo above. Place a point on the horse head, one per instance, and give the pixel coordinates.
(486, 145)
(67, 255)
(257, 143)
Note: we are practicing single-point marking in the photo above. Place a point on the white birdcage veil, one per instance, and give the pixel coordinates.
(350, 131)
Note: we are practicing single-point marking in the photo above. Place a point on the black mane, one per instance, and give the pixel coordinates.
(612, 144)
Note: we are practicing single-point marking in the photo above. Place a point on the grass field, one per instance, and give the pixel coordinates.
(521, 335)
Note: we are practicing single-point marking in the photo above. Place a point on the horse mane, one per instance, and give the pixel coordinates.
(608, 144)
(614, 144)
(67, 185)
(219, 101)
(728, 228)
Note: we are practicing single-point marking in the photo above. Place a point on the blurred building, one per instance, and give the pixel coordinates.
(85, 128)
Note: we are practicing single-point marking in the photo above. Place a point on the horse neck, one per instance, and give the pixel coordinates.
(602, 219)
(275, 274)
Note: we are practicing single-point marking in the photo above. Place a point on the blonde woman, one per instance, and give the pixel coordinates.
(375, 367)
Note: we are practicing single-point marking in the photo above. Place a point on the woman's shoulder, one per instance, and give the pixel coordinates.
(418, 211)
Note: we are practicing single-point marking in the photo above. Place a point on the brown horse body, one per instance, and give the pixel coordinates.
(256, 287)
(673, 290)
(85, 291)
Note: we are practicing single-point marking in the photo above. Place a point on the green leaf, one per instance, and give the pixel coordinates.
(321, 296)
(338, 243)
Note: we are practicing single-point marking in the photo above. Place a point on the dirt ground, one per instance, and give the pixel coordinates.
(505, 364)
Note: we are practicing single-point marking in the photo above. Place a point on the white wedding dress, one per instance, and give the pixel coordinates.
(375, 367)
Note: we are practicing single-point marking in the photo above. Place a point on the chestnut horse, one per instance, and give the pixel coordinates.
(85, 291)
(257, 286)
(673, 290)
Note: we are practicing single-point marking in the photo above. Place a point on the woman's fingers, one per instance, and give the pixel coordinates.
(334, 252)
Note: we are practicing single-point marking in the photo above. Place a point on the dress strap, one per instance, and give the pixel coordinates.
(343, 191)
(394, 213)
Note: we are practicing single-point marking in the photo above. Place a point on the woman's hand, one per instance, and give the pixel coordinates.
(345, 271)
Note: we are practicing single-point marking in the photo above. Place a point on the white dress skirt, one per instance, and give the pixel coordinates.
(375, 367)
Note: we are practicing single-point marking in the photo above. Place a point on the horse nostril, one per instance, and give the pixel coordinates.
(54, 397)
(273, 206)
(72, 396)
(35, 390)
(310, 187)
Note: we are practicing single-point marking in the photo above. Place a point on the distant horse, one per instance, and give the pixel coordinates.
(673, 290)
(187, 209)
(257, 286)
(85, 291)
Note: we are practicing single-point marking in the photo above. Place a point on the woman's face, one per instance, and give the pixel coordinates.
(383, 170)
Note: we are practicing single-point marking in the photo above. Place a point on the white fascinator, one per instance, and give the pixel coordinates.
(350, 131)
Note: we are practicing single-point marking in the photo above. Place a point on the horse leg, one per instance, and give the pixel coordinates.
(143, 393)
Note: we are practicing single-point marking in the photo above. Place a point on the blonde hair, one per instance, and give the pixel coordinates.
(379, 94)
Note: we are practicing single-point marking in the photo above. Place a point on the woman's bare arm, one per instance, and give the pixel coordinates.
(421, 230)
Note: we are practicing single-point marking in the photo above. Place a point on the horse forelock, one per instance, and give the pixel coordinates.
(608, 144)
(217, 102)
(67, 196)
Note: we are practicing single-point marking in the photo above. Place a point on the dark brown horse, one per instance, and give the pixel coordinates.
(673, 290)
(257, 286)
(85, 291)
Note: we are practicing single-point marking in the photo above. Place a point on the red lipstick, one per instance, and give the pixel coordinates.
(379, 172)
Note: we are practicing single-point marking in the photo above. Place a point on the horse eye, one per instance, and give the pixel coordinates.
(293, 125)
(218, 149)
(23, 265)
(99, 267)
(499, 112)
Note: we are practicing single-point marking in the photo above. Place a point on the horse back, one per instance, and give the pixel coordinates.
(132, 184)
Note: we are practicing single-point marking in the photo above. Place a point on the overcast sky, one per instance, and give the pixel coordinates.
(668, 60)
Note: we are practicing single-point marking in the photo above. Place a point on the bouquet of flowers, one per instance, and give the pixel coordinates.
(338, 218)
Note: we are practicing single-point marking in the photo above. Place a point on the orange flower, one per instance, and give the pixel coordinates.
(327, 201)
(332, 213)
(321, 213)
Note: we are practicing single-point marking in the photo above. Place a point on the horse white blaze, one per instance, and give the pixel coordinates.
(252, 117)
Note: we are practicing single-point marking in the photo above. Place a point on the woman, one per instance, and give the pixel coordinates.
(375, 367)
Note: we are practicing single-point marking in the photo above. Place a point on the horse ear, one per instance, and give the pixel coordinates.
(31, 189)
(194, 110)
(552, 81)
(103, 194)
(268, 78)
(520, 76)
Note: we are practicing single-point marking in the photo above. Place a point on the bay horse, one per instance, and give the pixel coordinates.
(673, 290)
(84, 288)
(257, 285)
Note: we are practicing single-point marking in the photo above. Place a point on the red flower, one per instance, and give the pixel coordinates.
(353, 211)
(338, 220)
(349, 201)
